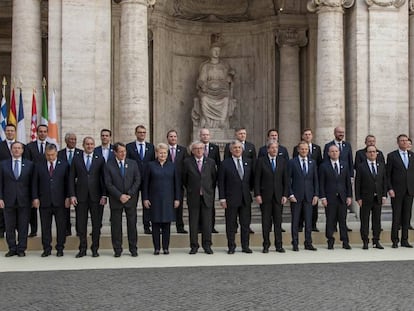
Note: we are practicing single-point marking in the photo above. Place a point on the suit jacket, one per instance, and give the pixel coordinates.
(332, 185)
(234, 190)
(194, 181)
(111, 156)
(16, 191)
(281, 153)
(86, 184)
(133, 154)
(249, 151)
(400, 179)
(5, 151)
(361, 156)
(214, 153)
(316, 154)
(32, 152)
(51, 190)
(366, 185)
(345, 155)
(63, 156)
(269, 184)
(303, 187)
(116, 185)
(180, 154)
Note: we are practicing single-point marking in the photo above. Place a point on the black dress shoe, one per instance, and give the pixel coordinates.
(310, 247)
(1, 234)
(265, 250)
(214, 231)
(193, 251)
(157, 252)
(59, 254)
(283, 230)
(251, 231)
(80, 254)
(134, 254)
(348, 229)
(183, 231)
(295, 248)
(406, 244)
(117, 255)
(365, 245)
(315, 229)
(410, 227)
(46, 253)
(280, 250)
(394, 245)
(231, 251)
(21, 254)
(166, 251)
(10, 254)
(208, 251)
(300, 229)
(346, 246)
(32, 235)
(95, 254)
(68, 233)
(330, 244)
(147, 231)
(378, 245)
(247, 250)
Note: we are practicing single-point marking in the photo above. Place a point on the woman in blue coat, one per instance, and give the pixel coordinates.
(161, 193)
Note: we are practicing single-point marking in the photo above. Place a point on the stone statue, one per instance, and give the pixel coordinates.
(215, 103)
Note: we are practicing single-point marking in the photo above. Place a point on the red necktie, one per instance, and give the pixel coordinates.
(51, 169)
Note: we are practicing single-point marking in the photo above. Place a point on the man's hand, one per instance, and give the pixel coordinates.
(223, 204)
(36, 203)
(1, 204)
(103, 201)
(73, 201)
(315, 200)
(176, 203)
(259, 199)
(359, 203)
(284, 200)
(124, 198)
(324, 202)
(391, 193)
(348, 201)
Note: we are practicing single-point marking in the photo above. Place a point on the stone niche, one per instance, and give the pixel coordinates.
(179, 48)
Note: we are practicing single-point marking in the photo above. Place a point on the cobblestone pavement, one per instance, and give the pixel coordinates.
(337, 286)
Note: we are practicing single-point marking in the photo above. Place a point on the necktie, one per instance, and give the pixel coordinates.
(373, 169)
(340, 146)
(51, 169)
(16, 169)
(172, 154)
(405, 159)
(42, 150)
(239, 169)
(273, 164)
(122, 168)
(70, 156)
(141, 151)
(304, 167)
(199, 165)
(336, 168)
(310, 149)
(206, 150)
(88, 163)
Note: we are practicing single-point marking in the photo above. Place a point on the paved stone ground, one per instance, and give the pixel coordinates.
(338, 286)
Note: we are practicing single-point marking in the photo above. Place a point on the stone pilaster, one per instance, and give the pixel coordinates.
(411, 68)
(290, 41)
(330, 89)
(134, 92)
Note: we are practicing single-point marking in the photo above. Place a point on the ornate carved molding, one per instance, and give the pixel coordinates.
(386, 3)
(291, 37)
(315, 5)
(411, 6)
(149, 3)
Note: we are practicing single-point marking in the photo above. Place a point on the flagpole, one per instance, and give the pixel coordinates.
(3, 89)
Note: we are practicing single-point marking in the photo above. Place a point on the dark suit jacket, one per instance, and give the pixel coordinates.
(316, 153)
(231, 188)
(16, 191)
(51, 190)
(63, 157)
(303, 187)
(345, 155)
(111, 156)
(5, 151)
(361, 156)
(116, 185)
(32, 152)
(214, 153)
(366, 185)
(180, 154)
(332, 185)
(194, 181)
(282, 152)
(133, 153)
(269, 184)
(249, 151)
(84, 184)
(400, 179)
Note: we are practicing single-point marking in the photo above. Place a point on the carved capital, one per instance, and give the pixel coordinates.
(291, 37)
(148, 3)
(411, 6)
(386, 3)
(316, 5)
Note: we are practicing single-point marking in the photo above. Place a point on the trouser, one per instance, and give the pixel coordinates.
(159, 229)
(373, 209)
(116, 228)
(301, 208)
(336, 212)
(272, 214)
(17, 217)
(46, 216)
(244, 213)
(200, 214)
(401, 209)
(94, 209)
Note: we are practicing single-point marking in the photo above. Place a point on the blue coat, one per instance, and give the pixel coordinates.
(161, 187)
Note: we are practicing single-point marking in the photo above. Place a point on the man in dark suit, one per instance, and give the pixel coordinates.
(316, 154)
(142, 152)
(370, 194)
(361, 155)
(235, 182)
(122, 180)
(35, 152)
(106, 148)
(400, 180)
(67, 154)
(273, 135)
(211, 151)
(87, 193)
(199, 178)
(303, 193)
(16, 195)
(271, 186)
(177, 154)
(50, 186)
(336, 194)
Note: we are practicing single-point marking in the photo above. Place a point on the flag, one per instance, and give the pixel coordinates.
(3, 112)
(44, 118)
(21, 128)
(33, 126)
(12, 112)
(53, 128)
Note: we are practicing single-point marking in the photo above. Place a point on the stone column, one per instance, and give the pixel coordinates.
(330, 88)
(290, 41)
(134, 92)
(411, 68)
(26, 52)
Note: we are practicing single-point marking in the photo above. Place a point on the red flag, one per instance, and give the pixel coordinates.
(33, 127)
(12, 113)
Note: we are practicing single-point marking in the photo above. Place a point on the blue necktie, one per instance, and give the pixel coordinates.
(16, 169)
(373, 169)
(336, 168)
(122, 168)
(88, 163)
(273, 165)
(141, 151)
(304, 167)
(70, 157)
(405, 158)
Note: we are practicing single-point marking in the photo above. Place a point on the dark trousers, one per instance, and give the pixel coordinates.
(179, 221)
(157, 230)
(272, 214)
(336, 212)
(94, 209)
(200, 214)
(146, 218)
(46, 216)
(68, 223)
(116, 228)
(244, 213)
(314, 217)
(17, 217)
(2, 223)
(370, 208)
(298, 209)
(401, 210)
(33, 220)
